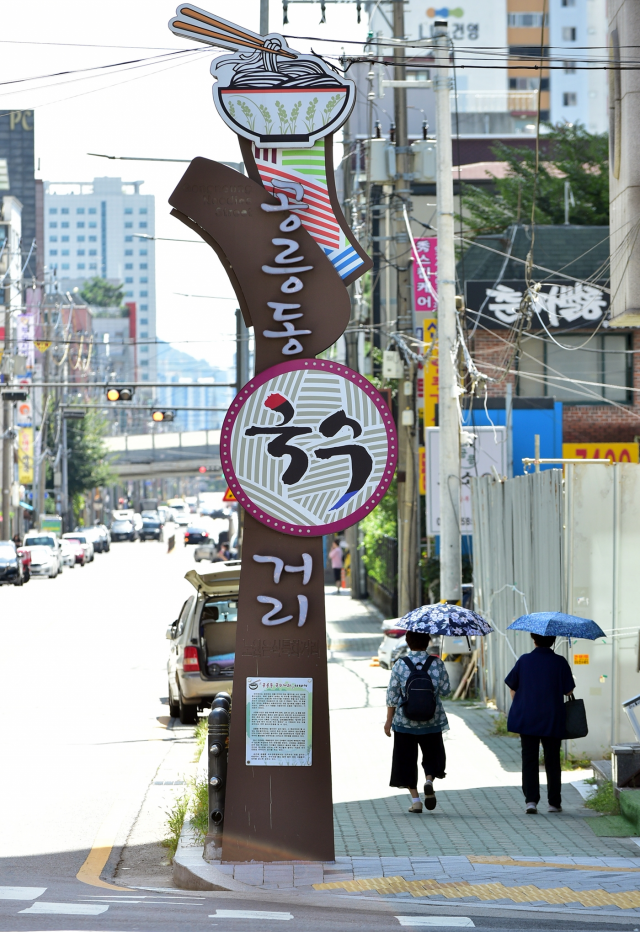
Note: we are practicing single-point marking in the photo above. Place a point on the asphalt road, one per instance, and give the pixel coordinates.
(85, 728)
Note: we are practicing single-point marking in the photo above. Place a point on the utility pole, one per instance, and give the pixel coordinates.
(450, 549)
(7, 426)
(408, 595)
(264, 17)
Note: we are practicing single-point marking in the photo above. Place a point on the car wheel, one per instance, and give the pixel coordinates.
(188, 714)
(174, 707)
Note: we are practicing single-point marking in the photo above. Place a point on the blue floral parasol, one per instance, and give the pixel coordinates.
(557, 624)
(446, 619)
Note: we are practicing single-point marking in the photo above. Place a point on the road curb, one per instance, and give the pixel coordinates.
(192, 872)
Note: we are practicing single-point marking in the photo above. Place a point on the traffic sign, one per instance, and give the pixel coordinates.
(229, 496)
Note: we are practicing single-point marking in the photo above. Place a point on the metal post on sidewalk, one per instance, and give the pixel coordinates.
(218, 745)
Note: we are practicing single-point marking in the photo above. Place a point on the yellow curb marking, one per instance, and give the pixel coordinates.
(102, 845)
(512, 862)
(487, 891)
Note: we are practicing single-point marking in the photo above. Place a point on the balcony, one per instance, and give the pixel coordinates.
(495, 101)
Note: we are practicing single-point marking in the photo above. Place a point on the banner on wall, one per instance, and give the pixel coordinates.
(25, 456)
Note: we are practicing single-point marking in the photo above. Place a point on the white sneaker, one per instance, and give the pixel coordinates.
(531, 809)
(415, 807)
(554, 809)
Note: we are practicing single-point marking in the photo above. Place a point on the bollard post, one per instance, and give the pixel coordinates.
(217, 747)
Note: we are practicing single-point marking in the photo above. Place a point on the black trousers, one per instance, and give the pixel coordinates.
(531, 768)
(404, 765)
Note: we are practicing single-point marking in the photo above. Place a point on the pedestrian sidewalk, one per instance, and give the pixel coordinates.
(353, 626)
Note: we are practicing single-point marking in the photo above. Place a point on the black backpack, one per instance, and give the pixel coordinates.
(420, 702)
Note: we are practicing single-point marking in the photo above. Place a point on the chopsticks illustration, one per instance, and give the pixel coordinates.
(228, 36)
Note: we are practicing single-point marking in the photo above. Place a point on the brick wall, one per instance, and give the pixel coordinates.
(581, 423)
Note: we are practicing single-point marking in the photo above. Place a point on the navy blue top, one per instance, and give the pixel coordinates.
(541, 680)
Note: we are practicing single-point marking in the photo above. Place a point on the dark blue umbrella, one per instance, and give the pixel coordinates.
(443, 618)
(557, 624)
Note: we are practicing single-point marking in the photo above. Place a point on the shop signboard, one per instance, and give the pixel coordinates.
(25, 455)
(560, 305)
(614, 452)
(308, 446)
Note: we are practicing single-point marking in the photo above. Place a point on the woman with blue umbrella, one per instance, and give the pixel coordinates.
(539, 682)
(417, 685)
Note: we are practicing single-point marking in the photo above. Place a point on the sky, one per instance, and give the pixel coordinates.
(162, 109)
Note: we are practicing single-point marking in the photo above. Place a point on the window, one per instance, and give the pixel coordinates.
(79, 210)
(53, 210)
(65, 265)
(64, 224)
(568, 33)
(92, 210)
(144, 362)
(128, 252)
(526, 19)
(65, 252)
(142, 252)
(143, 265)
(128, 281)
(528, 84)
(144, 321)
(128, 225)
(80, 252)
(144, 349)
(81, 239)
(568, 3)
(65, 239)
(129, 265)
(128, 294)
(603, 360)
(80, 224)
(569, 99)
(53, 252)
(93, 252)
(92, 239)
(143, 224)
(64, 210)
(145, 376)
(128, 210)
(144, 294)
(144, 280)
(144, 334)
(53, 224)
(569, 67)
(128, 239)
(53, 239)
(92, 224)
(81, 265)
(93, 265)
(143, 210)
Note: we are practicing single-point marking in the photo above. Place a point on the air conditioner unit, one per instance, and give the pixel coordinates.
(424, 160)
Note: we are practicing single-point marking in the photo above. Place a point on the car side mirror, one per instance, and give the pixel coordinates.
(171, 631)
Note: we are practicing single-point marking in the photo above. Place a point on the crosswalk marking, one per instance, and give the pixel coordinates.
(21, 893)
(248, 914)
(66, 909)
(437, 921)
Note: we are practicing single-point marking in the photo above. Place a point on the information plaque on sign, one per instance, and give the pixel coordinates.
(279, 721)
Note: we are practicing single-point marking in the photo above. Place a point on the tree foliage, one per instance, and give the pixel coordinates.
(382, 522)
(88, 467)
(100, 293)
(573, 155)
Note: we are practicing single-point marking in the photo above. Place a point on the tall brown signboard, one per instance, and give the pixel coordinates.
(308, 446)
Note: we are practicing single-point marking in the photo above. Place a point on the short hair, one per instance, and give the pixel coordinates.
(542, 640)
(416, 640)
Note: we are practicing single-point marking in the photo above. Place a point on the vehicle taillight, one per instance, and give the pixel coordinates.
(395, 632)
(190, 663)
(205, 534)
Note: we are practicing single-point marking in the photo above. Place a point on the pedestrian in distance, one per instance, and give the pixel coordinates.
(336, 560)
(538, 683)
(417, 718)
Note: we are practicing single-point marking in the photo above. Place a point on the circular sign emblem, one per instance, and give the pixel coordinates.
(308, 447)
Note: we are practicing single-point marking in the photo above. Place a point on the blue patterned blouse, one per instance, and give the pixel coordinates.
(395, 695)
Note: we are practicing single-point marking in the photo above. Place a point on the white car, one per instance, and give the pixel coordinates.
(49, 540)
(44, 561)
(68, 554)
(394, 644)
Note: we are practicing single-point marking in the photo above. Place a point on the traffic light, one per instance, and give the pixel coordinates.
(158, 416)
(122, 393)
(202, 469)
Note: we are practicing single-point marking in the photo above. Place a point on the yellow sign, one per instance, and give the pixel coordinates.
(428, 398)
(581, 659)
(25, 456)
(42, 345)
(615, 452)
(229, 496)
(422, 470)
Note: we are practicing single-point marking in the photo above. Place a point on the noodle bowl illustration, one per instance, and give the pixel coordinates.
(266, 91)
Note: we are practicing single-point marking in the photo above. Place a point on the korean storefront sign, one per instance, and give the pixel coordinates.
(561, 305)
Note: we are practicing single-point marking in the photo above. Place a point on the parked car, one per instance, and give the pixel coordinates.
(152, 526)
(25, 555)
(104, 530)
(394, 644)
(195, 534)
(94, 536)
(46, 539)
(11, 573)
(44, 561)
(207, 550)
(85, 543)
(72, 553)
(123, 529)
(181, 512)
(203, 639)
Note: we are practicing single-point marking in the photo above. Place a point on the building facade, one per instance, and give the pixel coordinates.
(182, 370)
(17, 178)
(579, 96)
(105, 228)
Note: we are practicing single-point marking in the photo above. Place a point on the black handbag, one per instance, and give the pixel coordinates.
(575, 718)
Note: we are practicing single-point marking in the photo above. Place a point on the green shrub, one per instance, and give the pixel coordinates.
(604, 800)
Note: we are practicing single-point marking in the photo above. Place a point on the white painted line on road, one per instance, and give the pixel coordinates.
(248, 914)
(66, 909)
(21, 893)
(437, 921)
